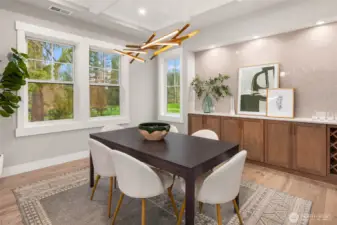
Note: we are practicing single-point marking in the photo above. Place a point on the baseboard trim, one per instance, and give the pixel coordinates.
(39, 164)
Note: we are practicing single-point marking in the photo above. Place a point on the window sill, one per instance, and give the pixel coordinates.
(174, 118)
(67, 125)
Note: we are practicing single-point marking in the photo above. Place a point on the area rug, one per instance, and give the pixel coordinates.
(64, 200)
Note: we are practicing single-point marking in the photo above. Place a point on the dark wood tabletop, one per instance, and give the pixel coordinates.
(180, 154)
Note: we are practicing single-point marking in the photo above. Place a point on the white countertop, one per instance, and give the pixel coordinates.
(296, 119)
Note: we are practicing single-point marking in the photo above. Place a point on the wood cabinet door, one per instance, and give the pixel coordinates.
(195, 123)
(253, 139)
(213, 123)
(310, 151)
(231, 130)
(278, 143)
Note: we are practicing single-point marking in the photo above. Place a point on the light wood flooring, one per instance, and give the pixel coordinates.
(323, 195)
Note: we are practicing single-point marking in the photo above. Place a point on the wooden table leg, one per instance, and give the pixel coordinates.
(190, 200)
(91, 173)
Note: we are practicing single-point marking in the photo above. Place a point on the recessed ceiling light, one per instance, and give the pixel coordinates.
(142, 11)
(212, 46)
(256, 37)
(320, 22)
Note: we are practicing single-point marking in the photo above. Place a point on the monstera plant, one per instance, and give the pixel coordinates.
(211, 88)
(11, 81)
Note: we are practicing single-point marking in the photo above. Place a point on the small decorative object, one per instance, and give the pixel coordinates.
(280, 102)
(154, 131)
(330, 116)
(321, 115)
(232, 110)
(159, 45)
(1, 163)
(253, 84)
(12, 79)
(211, 88)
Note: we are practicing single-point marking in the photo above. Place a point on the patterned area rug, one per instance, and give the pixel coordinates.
(64, 200)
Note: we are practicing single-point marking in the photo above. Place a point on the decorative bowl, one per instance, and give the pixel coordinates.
(154, 131)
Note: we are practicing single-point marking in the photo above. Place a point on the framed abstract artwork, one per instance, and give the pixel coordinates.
(252, 88)
(280, 102)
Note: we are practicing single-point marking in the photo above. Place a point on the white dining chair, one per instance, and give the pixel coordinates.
(111, 127)
(206, 134)
(103, 164)
(138, 180)
(221, 186)
(173, 129)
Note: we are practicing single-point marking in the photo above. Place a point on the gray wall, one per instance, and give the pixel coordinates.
(27, 149)
(307, 57)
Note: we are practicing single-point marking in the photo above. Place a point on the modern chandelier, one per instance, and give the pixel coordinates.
(156, 46)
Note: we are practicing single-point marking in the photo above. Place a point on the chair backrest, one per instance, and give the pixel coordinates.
(173, 129)
(111, 127)
(206, 134)
(101, 158)
(135, 178)
(223, 185)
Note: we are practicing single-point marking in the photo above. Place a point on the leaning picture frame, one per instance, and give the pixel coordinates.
(253, 82)
(281, 103)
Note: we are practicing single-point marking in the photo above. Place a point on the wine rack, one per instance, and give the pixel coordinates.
(333, 150)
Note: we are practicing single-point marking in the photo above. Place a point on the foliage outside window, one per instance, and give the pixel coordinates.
(50, 86)
(104, 70)
(173, 86)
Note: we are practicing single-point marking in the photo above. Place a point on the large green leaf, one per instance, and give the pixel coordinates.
(4, 113)
(13, 78)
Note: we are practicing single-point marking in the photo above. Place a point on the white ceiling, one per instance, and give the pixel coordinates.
(160, 13)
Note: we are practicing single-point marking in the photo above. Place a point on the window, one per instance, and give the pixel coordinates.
(173, 86)
(75, 82)
(104, 84)
(50, 86)
(169, 89)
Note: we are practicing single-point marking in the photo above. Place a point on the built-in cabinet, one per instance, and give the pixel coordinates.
(253, 139)
(301, 147)
(310, 151)
(278, 143)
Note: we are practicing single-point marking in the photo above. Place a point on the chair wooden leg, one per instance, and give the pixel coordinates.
(182, 210)
(110, 196)
(143, 212)
(237, 211)
(175, 209)
(218, 213)
(95, 186)
(117, 208)
(201, 204)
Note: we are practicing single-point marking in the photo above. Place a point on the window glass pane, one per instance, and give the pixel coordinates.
(111, 61)
(62, 53)
(170, 78)
(39, 70)
(111, 76)
(104, 101)
(96, 59)
(63, 72)
(96, 75)
(50, 101)
(39, 50)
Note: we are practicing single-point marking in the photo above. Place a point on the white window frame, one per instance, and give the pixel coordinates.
(163, 115)
(81, 118)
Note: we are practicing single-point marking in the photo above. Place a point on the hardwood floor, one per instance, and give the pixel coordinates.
(323, 195)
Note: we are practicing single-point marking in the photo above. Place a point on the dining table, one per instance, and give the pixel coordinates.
(180, 154)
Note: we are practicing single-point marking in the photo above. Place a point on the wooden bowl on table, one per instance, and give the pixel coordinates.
(154, 131)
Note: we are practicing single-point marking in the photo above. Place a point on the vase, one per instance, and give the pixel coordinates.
(207, 104)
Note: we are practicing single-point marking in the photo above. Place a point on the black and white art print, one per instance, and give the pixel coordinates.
(253, 84)
(280, 103)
